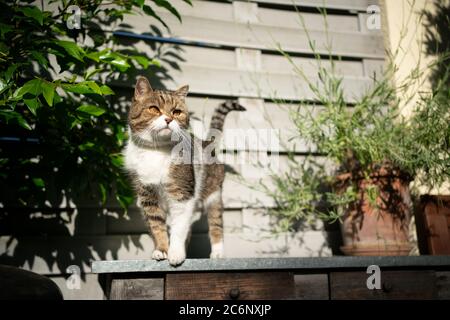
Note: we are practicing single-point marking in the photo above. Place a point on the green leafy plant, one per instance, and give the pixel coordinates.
(359, 139)
(61, 135)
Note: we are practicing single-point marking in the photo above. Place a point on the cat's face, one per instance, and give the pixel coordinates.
(157, 114)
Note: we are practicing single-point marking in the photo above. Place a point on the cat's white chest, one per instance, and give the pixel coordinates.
(151, 166)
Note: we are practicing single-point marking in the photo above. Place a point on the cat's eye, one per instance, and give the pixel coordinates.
(176, 112)
(153, 108)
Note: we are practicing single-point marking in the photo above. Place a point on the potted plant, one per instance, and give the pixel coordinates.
(371, 153)
(433, 207)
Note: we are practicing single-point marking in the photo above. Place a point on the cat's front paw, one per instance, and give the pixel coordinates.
(176, 256)
(159, 255)
(216, 251)
(216, 255)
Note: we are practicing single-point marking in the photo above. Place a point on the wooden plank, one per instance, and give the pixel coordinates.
(443, 285)
(280, 64)
(236, 83)
(51, 255)
(373, 68)
(297, 265)
(137, 289)
(311, 287)
(217, 58)
(263, 116)
(277, 77)
(350, 44)
(223, 11)
(313, 21)
(403, 285)
(232, 221)
(350, 5)
(225, 286)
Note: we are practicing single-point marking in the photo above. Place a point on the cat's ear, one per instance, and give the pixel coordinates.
(182, 91)
(142, 87)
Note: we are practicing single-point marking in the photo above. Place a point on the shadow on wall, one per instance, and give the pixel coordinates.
(437, 42)
(74, 232)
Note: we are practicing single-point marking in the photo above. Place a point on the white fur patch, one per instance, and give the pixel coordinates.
(213, 198)
(151, 165)
(176, 255)
(180, 220)
(159, 255)
(217, 250)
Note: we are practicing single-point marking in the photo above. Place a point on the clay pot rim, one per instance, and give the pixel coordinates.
(381, 173)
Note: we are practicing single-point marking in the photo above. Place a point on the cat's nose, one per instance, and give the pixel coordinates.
(168, 120)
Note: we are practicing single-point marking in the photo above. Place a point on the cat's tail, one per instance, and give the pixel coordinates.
(219, 115)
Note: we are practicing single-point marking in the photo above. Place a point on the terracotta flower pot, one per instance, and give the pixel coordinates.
(433, 224)
(380, 227)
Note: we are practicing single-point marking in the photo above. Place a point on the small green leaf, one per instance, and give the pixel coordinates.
(73, 121)
(140, 3)
(23, 123)
(32, 104)
(48, 91)
(155, 63)
(33, 12)
(39, 57)
(117, 160)
(92, 110)
(120, 136)
(3, 85)
(105, 55)
(4, 49)
(38, 182)
(94, 86)
(120, 64)
(102, 192)
(94, 56)
(81, 88)
(71, 48)
(10, 71)
(143, 61)
(86, 146)
(124, 200)
(56, 99)
(33, 87)
(12, 115)
(90, 73)
(4, 29)
(116, 60)
(106, 90)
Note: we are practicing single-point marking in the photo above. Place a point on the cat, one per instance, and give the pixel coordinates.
(174, 174)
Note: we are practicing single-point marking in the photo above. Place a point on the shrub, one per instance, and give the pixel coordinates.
(60, 134)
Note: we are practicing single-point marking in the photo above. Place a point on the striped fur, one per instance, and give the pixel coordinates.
(170, 191)
(220, 113)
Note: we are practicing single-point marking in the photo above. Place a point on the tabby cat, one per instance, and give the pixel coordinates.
(175, 175)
